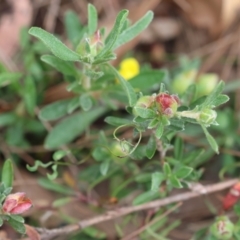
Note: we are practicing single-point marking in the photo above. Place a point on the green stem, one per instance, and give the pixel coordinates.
(188, 114)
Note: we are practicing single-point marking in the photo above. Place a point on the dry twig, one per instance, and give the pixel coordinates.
(47, 234)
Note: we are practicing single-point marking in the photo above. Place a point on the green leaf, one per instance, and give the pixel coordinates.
(1, 221)
(178, 148)
(176, 124)
(131, 32)
(153, 77)
(175, 182)
(211, 98)
(151, 147)
(132, 98)
(153, 123)
(183, 172)
(211, 140)
(7, 119)
(29, 94)
(18, 218)
(54, 110)
(143, 177)
(104, 167)
(144, 112)
(115, 121)
(73, 105)
(59, 49)
(7, 78)
(86, 102)
(66, 68)
(167, 169)
(100, 154)
(159, 130)
(92, 19)
(59, 188)
(61, 202)
(18, 226)
(74, 29)
(145, 197)
(113, 35)
(7, 173)
(71, 127)
(157, 179)
(221, 99)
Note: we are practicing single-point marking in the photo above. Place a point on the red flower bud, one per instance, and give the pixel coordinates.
(16, 203)
(167, 104)
(232, 197)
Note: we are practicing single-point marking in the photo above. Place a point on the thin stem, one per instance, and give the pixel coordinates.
(110, 215)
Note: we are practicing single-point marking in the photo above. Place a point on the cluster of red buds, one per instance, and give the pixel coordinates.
(165, 104)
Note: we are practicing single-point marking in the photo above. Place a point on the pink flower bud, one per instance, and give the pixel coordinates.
(167, 104)
(16, 203)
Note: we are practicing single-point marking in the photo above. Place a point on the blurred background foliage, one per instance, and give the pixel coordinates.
(189, 41)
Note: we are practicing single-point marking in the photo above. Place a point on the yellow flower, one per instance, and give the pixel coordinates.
(129, 68)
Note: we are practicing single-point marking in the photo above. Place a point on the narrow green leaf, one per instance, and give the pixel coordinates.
(92, 19)
(18, 226)
(71, 127)
(73, 27)
(7, 78)
(213, 95)
(221, 99)
(175, 182)
(132, 98)
(73, 105)
(61, 202)
(50, 185)
(115, 121)
(104, 167)
(29, 94)
(131, 32)
(66, 68)
(18, 218)
(153, 77)
(59, 49)
(159, 130)
(153, 123)
(113, 35)
(7, 119)
(183, 172)
(178, 148)
(151, 147)
(144, 112)
(145, 197)
(143, 177)
(1, 221)
(86, 102)
(211, 140)
(7, 173)
(54, 110)
(167, 169)
(157, 179)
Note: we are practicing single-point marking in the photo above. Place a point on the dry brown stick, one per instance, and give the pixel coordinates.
(143, 228)
(49, 234)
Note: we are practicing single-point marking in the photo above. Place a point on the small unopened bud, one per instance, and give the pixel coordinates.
(222, 229)
(207, 116)
(183, 80)
(143, 102)
(16, 203)
(120, 152)
(206, 83)
(167, 104)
